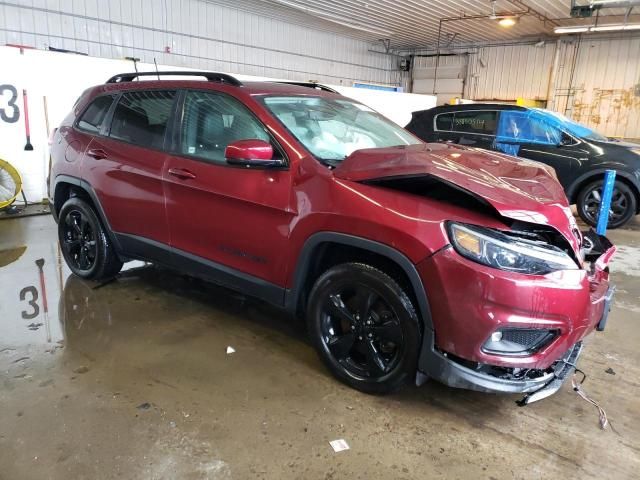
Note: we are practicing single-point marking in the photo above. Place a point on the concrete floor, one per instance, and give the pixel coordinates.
(131, 380)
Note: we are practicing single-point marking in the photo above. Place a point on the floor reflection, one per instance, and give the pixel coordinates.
(39, 297)
(31, 281)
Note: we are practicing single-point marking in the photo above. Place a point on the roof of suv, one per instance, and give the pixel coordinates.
(126, 81)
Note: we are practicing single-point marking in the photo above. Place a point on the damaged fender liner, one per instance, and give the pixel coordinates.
(455, 375)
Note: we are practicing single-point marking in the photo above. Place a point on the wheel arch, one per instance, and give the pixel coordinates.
(66, 186)
(325, 249)
(583, 180)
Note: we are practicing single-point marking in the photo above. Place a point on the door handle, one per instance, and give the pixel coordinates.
(97, 153)
(182, 173)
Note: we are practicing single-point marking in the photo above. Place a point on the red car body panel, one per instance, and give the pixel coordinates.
(471, 298)
(517, 189)
(258, 221)
(232, 205)
(130, 187)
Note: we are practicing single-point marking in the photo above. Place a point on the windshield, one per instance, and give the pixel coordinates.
(331, 129)
(570, 126)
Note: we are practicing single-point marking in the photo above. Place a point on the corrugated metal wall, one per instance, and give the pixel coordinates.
(510, 71)
(596, 80)
(199, 34)
(598, 84)
(449, 70)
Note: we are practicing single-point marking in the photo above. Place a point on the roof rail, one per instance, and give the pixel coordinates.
(210, 76)
(316, 85)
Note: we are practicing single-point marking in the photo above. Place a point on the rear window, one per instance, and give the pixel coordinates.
(141, 117)
(92, 118)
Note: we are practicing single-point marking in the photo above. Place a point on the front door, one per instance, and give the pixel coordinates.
(527, 134)
(233, 220)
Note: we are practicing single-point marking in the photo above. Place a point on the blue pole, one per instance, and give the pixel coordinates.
(605, 203)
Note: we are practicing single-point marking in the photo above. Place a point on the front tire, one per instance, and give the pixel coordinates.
(364, 327)
(84, 243)
(623, 204)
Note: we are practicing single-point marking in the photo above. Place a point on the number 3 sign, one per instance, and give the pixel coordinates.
(9, 110)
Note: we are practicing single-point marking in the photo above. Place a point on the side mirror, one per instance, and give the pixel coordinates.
(251, 153)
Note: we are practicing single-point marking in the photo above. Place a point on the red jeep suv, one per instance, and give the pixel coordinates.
(408, 260)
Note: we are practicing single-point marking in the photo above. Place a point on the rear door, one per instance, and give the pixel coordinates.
(236, 217)
(473, 128)
(127, 161)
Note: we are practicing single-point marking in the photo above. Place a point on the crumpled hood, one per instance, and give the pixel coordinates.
(518, 189)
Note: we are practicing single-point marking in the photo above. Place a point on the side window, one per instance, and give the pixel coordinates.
(92, 118)
(518, 126)
(444, 122)
(479, 122)
(211, 121)
(141, 117)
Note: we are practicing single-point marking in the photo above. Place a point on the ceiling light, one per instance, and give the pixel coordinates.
(598, 28)
(507, 22)
(570, 29)
(614, 28)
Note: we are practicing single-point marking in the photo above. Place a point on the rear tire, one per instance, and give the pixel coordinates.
(364, 327)
(84, 242)
(623, 204)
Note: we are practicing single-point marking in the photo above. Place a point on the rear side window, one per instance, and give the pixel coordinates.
(141, 117)
(92, 118)
(480, 122)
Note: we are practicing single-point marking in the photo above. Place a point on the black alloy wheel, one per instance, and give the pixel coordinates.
(364, 327)
(623, 204)
(361, 331)
(85, 245)
(79, 240)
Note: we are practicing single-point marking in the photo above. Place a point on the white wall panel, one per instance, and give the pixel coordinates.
(199, 34)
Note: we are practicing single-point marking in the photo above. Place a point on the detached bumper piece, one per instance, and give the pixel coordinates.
(537, 384)
(562, 369)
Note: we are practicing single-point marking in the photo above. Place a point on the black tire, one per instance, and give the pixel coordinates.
(623, 204)
(84, 243)
(376, 352)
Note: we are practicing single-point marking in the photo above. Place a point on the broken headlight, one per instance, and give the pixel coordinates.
(495, 249)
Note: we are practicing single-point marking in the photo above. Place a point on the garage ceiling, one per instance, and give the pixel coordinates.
(414, 24)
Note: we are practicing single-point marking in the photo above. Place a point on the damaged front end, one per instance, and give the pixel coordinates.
(516, 286)
(520, 333)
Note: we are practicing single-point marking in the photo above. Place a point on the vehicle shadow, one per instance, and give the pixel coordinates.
(92, 312)
(96, 317)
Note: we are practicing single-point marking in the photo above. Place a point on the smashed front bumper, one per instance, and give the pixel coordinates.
(454, 374)
(474, 301)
